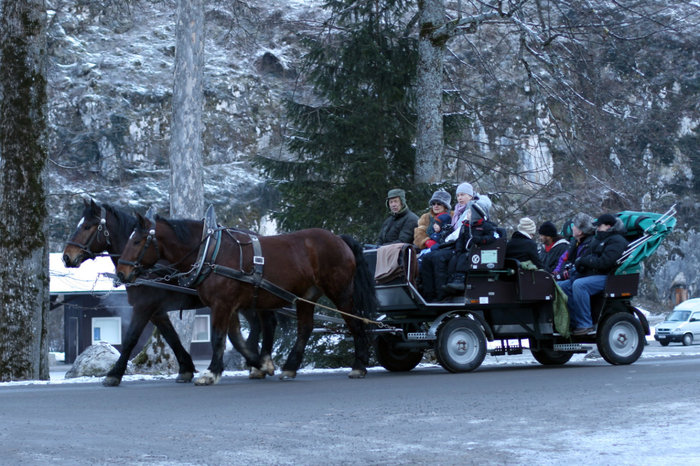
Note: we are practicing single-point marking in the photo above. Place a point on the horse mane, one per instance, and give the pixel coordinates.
(181, 227)
(125, 221)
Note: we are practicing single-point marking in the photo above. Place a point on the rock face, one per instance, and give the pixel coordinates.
(633, 146)
(96, 361)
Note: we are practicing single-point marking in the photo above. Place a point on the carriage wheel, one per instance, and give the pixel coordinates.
(621, 339)
(461, 345)
(548, 356)
(396, 359)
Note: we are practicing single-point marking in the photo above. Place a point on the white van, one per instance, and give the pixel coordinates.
(681, 325)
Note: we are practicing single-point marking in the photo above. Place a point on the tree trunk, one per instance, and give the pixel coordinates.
(24, 268)
(186, 172)
(429, 131)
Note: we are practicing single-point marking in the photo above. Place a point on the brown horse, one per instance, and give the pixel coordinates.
(306, 264)
(105, 228)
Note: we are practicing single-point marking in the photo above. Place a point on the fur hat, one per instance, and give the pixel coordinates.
(396, 192)
(465, 188)
(584, 222)
(444, 219)
(443, 197)
(605, 219)
(548, 229)
(527, 227)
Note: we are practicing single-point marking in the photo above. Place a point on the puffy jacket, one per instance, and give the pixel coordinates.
(603, 253)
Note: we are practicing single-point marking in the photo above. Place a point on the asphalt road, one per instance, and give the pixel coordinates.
(586, 412)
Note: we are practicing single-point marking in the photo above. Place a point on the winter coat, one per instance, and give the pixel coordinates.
(480, 233)
(398, 228)
(576, 249)
(605, 249)
(522, 248)
(550, 256)
(422, 233)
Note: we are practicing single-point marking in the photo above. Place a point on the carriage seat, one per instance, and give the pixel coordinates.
(489, 256)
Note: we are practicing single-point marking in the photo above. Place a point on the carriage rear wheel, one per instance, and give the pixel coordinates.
(461, 345)
(396, 359)
(621, 339)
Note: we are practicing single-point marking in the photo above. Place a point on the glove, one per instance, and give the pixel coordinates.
(430, 243)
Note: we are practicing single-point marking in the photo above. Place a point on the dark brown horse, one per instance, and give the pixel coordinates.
(306, 264)
(104, 228)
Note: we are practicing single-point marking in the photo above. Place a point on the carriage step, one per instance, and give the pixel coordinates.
(500, 350)
(421, 336)
(573, 347)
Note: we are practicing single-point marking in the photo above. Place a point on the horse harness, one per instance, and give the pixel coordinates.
(101, 228)
(206, 263)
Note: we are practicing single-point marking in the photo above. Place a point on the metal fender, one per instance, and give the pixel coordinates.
(432, 331)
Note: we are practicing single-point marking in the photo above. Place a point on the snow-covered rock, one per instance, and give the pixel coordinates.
(96, 361)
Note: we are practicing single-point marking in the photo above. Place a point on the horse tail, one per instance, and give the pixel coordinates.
(364, 294)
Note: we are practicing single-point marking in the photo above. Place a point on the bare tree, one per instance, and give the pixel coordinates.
(186, 172)
(24, 281)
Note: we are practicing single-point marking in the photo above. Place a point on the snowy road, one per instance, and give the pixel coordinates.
(586, 412)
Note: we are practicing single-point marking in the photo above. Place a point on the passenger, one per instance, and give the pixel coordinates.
(441, 228)
(435, 264)
(554, 246)
(477, 230)
(399, 226)
(465, 193)
(582, 230)
(439, 204)
(592, 269)
(521, 246)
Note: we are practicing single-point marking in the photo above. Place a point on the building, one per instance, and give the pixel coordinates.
(94, 310)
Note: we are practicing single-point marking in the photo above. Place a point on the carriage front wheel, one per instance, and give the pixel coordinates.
(461, 345)
(396, 359)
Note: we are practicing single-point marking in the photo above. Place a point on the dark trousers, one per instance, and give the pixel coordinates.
(433, 273)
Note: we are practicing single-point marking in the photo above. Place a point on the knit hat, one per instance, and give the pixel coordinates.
(396, 192)
(443, 197)
(605, 219)
(465, 188)
(527, 227)
(584, 222)
(444, 218)
(548, 229)
(480, 208)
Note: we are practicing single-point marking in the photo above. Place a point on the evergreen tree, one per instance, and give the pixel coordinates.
(357, 143)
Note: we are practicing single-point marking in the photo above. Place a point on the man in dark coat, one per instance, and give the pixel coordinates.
(554, 246)
(592, 269)
(398, 228)
(521, 246)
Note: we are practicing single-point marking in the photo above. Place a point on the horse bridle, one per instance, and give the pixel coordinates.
(101, 228)
(150, 240)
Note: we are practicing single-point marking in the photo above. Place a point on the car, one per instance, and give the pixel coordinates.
(681, 325)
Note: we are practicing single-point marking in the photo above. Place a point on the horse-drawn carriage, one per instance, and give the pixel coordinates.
(233, 270)
(506, 303)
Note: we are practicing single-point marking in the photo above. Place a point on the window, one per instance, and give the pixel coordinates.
(107, 329)
(201, 329)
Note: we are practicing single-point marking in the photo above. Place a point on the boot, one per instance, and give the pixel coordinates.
(457, 283)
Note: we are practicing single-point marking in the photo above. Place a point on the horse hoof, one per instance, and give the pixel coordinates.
(185, 377)
(207, 378)
(288, 375)
(358, 373)
(110, 381)
(256, 373)
(268, 366)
